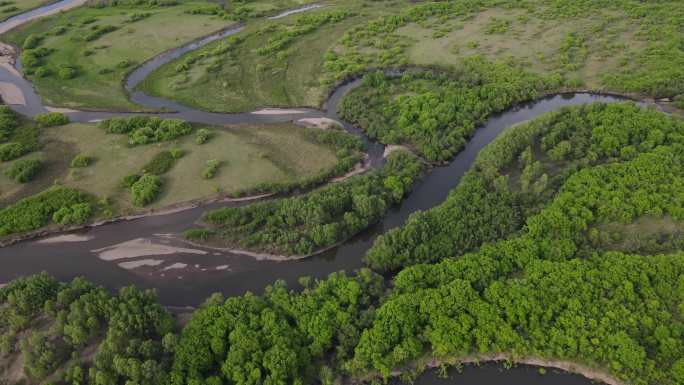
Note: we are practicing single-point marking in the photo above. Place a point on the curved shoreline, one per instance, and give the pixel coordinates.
(586, 371)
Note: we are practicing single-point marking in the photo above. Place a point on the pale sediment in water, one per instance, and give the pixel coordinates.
(175, 266)
(11, 94)
(130, 265)
(66, 238)
(141, 247)
(278, 111)
(322, 123)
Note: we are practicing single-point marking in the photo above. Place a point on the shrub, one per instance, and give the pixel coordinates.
(160, 164)
(76, 214)
(25, 170)
(99, 30)
(12, 150)
(32, 41)
(52, 119)
(81, 161)
(177, 153)
(42, 72)
(124, 64)
(8, 123)
(146, 189)
(679, 101)
(59, 30)
(202, 136)
(66, 72)
(198, 234)
(211, 169)
(129, 180)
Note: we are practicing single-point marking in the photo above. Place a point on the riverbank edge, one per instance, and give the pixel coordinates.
(589, 372)
(170, 209)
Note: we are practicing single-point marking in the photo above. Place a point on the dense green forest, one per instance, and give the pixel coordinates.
(77, 333)
(520, 172)
(437, 112)
(321, 218)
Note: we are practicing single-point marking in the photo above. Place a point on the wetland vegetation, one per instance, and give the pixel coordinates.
(563, 241)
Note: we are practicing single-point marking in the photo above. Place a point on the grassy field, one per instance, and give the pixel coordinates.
(9, 8)
(249, 156)
(242, 79)
(101, 64)
(627, 47)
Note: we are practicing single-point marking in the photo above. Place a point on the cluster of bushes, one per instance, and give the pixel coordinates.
(97, 31)
(211, 168)
(437, 112)
(202, 135)
(283, 37)
(37, 210)
(15, 142)
(77, 214)
(321, 218)
(145, 129)
(161, 163)
(51, 119)
(132, 335)
(80, 161)
(9, 121)
(24, 170)
(146, 189)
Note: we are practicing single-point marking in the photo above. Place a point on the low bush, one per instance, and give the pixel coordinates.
(146, 189)
(8, 123)
(160, 164)
(81, 161)
(32, 41)
(202, 136)
(98, 31)
(177, 153)
(52, 119)
(212, 168)
(129, 180)
(12, 150)
(67, 72)
(679, 101)
(76, 214)
(25, 170)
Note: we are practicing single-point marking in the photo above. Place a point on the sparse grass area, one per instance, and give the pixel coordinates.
(239, 78)
(9, 8)
(250, 156)
(100, 64)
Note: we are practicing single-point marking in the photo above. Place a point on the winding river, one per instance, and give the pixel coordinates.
(147, 252)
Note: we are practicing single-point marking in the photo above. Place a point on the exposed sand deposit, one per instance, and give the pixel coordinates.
(140, 247)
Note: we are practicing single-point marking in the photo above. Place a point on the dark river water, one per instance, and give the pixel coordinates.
(496, 374)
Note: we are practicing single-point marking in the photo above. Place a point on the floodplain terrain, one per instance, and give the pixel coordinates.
(560, 244)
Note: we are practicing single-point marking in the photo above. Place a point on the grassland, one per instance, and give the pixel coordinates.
(248, 156)
(9, 8)
(101, 64)
(240, 78)
(628, 47)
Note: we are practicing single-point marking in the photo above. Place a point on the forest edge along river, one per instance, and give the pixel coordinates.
(147, 253)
